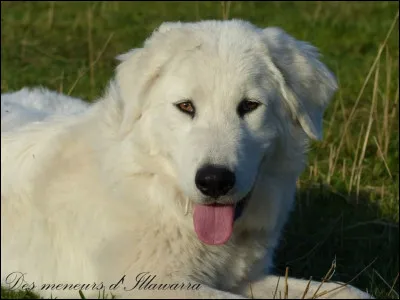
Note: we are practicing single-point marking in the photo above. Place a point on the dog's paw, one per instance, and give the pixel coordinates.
(271, 287)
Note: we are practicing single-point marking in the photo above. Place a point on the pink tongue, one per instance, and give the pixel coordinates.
(213, 224)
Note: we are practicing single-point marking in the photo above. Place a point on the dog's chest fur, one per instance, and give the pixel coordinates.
(234, 264)
(177, 255)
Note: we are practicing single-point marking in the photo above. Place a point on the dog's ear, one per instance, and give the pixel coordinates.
(140, 68)
(128, 79)
(306, 83)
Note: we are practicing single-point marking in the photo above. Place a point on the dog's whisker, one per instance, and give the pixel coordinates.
(187, 207)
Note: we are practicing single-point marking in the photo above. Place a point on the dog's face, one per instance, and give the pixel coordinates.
(215, 121)
(218, 98)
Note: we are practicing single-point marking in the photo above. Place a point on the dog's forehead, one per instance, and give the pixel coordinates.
(229, 36)
(228, 48)
(207, 72)
(213, 59)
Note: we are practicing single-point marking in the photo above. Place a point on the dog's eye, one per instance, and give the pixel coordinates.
(246, 106)
(186, 107)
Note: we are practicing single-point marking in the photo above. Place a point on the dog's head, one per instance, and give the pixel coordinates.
(218, 99)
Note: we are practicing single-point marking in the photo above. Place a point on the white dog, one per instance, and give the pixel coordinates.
(176, 183)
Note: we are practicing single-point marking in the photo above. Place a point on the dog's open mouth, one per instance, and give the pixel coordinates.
(213, 223)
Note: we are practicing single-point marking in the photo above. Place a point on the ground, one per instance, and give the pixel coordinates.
(348, 199)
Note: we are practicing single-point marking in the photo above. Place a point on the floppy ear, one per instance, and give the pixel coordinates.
(307, 84)
(128, 79)
(141, 67)
(138, 69)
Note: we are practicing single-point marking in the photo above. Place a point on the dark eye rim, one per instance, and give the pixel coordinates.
(242, 111)
(177, 105)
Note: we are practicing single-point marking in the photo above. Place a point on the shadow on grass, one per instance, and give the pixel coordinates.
(326, 225)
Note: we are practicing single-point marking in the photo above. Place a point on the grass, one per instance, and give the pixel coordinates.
(347, 206)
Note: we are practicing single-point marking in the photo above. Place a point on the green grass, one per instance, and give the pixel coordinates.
(348, 200)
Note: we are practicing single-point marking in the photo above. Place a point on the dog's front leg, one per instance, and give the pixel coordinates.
(273, 287)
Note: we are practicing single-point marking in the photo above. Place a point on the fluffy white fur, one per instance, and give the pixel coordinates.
(92, 193)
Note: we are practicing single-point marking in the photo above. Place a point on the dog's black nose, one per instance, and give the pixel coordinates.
(214, 181)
